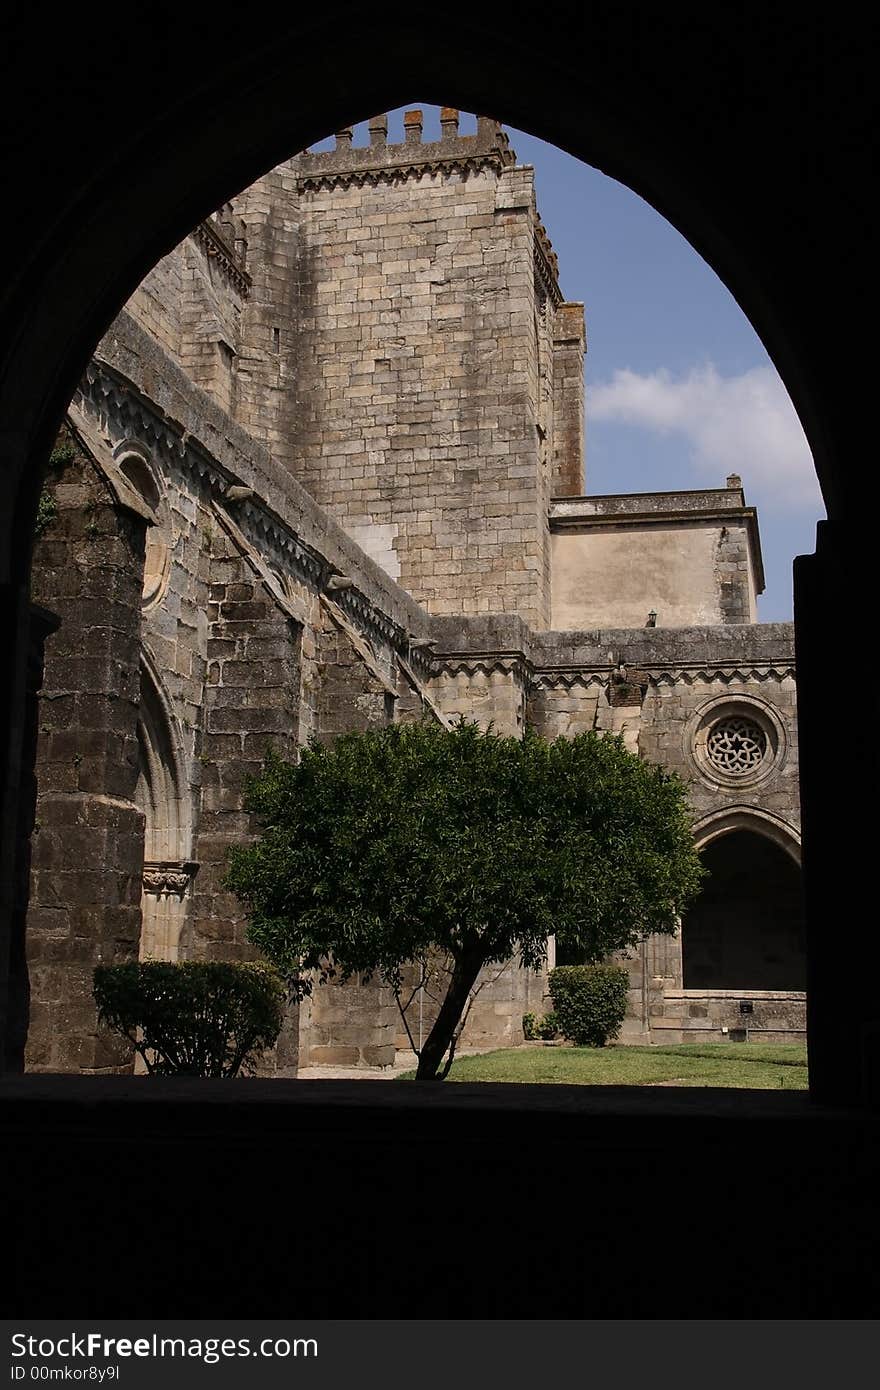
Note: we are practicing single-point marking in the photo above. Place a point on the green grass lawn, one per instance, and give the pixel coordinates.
(753, 1066)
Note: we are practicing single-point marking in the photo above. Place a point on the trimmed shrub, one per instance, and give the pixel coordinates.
(589, 1002)
(548, 1027)
(194, 1018)
(540, 1029)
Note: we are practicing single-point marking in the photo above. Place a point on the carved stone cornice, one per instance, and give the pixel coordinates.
(217, 248)
(362, 647)
(550, 678)
(375, 624)
(320, 180)
(726, 674)
(546, 266)
(281, 545)
(566, 680)
(108, 399)
(483, 663)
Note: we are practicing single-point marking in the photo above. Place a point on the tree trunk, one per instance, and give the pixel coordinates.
(463, 976)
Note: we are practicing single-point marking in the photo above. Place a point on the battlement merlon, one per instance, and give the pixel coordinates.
(372, 163)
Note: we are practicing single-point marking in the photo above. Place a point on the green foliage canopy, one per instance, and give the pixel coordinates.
(386, 845)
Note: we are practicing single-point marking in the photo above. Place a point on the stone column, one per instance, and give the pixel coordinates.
(88, 832)
(569, 346)
(42, 624)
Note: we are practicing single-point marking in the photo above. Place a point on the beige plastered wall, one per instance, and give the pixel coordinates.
(615, 576)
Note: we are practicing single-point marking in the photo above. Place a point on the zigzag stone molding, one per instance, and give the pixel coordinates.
(549, 679)
(320, 180)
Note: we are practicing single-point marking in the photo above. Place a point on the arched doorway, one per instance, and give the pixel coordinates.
(746, 929)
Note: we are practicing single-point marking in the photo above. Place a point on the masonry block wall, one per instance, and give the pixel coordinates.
(88, 841)
(352, 698)
(387, 320)
(399, 347)
(251, 702)
(417, 376)
(192, 302)
(275, 314)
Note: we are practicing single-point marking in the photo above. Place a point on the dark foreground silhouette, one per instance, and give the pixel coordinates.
(178, 1198)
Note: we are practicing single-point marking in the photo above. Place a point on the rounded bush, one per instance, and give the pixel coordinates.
(192, 1018)
(540, 1029)
(548, 1027)
(589, 1002)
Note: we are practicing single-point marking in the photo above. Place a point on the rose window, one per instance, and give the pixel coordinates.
(736, 746)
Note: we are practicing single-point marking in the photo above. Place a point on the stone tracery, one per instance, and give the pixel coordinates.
(736, 745)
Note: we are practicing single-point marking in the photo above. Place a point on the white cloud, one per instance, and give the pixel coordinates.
(740, 424)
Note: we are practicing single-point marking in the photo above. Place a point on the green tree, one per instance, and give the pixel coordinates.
(386, 848)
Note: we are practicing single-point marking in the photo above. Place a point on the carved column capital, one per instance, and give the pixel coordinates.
(168, 879)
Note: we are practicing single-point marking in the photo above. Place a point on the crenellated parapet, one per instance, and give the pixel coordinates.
(378, 162)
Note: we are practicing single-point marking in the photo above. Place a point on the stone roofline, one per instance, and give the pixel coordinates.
(753, 649)
(453, 152)
(695, 507)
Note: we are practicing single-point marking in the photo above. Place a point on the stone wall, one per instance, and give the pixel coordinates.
(191, 630)
(690, 558)
(251, 703)
(191, 304)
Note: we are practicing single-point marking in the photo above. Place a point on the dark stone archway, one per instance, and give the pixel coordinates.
(746, 929)
(750, 137)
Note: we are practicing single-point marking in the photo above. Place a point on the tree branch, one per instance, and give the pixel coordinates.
(406, 1021)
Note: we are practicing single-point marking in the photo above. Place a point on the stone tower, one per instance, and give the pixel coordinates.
(407, 350)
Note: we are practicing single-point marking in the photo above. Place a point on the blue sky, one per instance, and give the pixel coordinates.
(679, 389)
